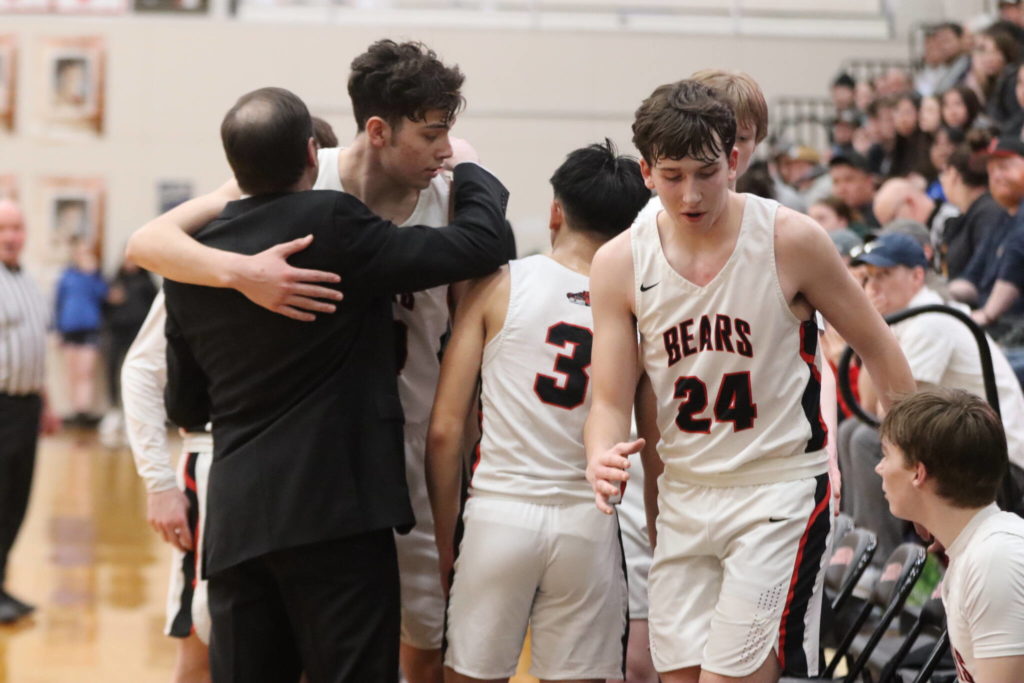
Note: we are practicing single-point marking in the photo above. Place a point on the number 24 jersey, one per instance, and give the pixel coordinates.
(735, 373)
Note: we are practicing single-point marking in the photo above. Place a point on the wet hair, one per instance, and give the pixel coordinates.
(397, 81)
(958, 438)
(684, 119)
(743, 94)
(266, 136)
(323, 133)
(600, 191)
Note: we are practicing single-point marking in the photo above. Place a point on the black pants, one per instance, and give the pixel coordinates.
(19, 432)
(330, 609)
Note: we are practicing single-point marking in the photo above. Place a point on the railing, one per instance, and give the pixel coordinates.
(801, 120)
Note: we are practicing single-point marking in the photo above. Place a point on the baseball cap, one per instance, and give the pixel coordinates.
(846, 241)
(890, 250)
(1006, 146)
(802, 153)
(850, 158)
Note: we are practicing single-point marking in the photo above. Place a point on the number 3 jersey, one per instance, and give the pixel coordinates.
(536, 388)
(735, 373)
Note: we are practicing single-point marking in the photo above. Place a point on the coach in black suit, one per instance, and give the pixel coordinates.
(308, 477)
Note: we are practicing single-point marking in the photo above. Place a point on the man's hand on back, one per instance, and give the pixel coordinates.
(461, 151)
(269, 281)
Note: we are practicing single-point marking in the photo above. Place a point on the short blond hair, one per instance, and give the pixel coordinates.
(742, 93)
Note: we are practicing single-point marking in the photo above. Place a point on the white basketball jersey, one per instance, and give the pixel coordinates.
(536, 388)
(736, 374)
(421, 318)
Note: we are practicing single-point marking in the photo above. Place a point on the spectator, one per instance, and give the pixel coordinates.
(902, 198)
(912, 146)
(945, 61)
(81, 292)
(129, 297)
(941, 351)
(929, 116)
(945, 458)
(1011, 18)
(965, 184)
(881, 115)
(994, 49)
(852, 183)
(893, 82)
(960, 107)
(844, 128)
(1010, 117)
(843, 88)
(831, 213)
(801, 169)
(863, 94)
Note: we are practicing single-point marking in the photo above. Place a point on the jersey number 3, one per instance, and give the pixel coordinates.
(735, 403)
(570, 390)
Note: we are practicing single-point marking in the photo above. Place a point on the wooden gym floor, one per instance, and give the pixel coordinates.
(96, 572)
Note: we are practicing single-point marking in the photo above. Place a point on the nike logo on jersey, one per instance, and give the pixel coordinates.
(581, 298)
(777, 519)
(644, 288)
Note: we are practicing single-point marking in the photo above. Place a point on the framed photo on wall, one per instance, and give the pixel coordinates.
(8, 82)
(72, 208)
(74, 79)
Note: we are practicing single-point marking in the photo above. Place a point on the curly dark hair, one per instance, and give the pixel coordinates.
(398, 81)
(684, 119)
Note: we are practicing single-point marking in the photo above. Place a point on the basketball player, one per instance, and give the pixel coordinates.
(174, 503)
(944, 458)
(405, 101)
(535, 550)
(722, 289)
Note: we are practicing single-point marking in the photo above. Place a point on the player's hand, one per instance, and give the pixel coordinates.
(607, 472)
(269, 281)
(835, 479)
(167, 513)
(461, 151)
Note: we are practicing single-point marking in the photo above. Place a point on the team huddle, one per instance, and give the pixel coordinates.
(418, 445)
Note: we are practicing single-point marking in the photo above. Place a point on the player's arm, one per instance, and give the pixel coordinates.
(143, 378)
(453, 404)
(999, 669)
(830, 414)
(808, 260)
(647, 429)
(165, 246)
(614, 371)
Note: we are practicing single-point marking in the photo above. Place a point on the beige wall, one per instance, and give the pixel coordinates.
(532, 96)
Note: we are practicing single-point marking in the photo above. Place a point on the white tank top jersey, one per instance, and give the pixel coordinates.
(736, 374)
(421, 318)
(536, 388)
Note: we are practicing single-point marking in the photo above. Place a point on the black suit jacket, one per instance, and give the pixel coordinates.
(307, 424)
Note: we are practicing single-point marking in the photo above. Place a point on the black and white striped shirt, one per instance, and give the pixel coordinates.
(24, 315)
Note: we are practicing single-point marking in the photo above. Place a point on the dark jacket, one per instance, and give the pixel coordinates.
(307, 424)
(965, 234)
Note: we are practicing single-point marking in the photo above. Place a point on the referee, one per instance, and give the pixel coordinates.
(23, 321)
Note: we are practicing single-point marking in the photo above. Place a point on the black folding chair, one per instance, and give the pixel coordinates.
(841, 525)
(931, 621)
(899, 574)
(847, 564)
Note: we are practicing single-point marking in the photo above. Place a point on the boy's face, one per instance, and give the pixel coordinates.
(746, 143)
(416, 150)
(692, 191)
(899, 481)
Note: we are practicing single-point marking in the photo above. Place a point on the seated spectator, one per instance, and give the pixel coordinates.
(912, 145)
(843, 92)
(1011, 117)
(1011, 17)
(1000, 258)
(929, 117)
(881, 116)
(902, 198)
(913, 229)
(801, 169)
(945, 458)
(965, 184)
(893, 82)
(994, 49)
(863, 94)
(944, 142)
(831, 213)
(757, 180)
(940, 350)
(960, 107)
(844, 130)
(853, 184)
(945, 61)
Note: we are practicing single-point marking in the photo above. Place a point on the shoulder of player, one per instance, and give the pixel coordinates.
(615, 254)
(483, 292)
